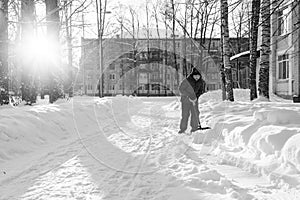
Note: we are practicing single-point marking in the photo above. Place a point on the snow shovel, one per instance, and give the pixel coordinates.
(195, 113)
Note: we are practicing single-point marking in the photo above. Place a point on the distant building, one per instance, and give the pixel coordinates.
(149, 66)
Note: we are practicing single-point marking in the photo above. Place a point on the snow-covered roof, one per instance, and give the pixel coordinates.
(239, 55)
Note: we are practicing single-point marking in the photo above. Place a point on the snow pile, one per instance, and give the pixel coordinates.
(262, 137)
(25, 129)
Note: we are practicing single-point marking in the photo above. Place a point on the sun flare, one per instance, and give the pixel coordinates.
(40, 50)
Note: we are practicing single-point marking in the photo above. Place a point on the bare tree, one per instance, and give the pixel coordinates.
(199, 18)
(173, 13)
(253, 47)
(27, 31)
(263, 85)
(4, 98)
(129, 22)
(101, 11)
(155, 8)
(166, 49)
(68, 25)
(226, 52)
(222, 70)
(53, 28)
(240, 29)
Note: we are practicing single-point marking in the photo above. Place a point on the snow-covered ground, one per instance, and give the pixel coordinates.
(128, 148)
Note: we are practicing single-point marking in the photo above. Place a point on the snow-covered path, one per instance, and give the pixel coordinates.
(121, 151)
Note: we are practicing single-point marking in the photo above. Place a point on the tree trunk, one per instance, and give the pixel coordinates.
(4, 98)
(68, 23)
(174, 43)
(253, 47)
(263, 86)
(166, 56)
(148, 49)
(27, 33)
(184, 64)
(222, 74)
(53, 25)
(225, 41)
(159, 44)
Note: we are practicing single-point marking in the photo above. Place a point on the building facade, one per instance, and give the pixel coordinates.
(150, 66)
(285, 48)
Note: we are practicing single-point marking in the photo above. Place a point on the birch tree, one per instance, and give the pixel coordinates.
(226, 51)
(222, 71)
(263, 85)
(253, 47)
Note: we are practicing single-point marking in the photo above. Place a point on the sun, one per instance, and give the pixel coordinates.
(38, 50)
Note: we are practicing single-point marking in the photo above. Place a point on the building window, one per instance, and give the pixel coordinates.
(89, 77)
(155, 76)
(213, 44)
(234, 77)
(283, 66)
(211, 87)
(215, 76)
(111, 87)
(112, 76)
(112, 66)
(283, 21)
(90, 87)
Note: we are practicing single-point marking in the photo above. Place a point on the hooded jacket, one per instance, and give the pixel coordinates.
(190, 88)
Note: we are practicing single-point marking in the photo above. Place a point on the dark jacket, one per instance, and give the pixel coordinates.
(190, 88)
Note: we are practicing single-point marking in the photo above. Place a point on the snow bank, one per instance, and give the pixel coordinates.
(290, 153)
(261, 136)
(25, 129)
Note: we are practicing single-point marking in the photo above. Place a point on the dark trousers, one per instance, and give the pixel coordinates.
(187, 109)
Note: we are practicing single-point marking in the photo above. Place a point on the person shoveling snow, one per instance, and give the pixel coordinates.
(190, 90)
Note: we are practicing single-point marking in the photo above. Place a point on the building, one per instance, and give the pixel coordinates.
(285, 48)
(150, 66)
(284, 56)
